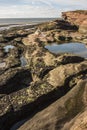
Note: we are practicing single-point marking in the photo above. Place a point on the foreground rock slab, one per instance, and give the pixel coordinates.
(67, 113)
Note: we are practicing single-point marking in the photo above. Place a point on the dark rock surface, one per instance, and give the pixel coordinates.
(48, 89)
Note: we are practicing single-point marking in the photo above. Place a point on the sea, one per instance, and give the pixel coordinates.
(5, 23)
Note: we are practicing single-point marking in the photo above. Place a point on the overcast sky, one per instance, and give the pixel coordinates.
(38, 8)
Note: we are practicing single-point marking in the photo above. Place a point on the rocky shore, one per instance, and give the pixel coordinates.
(47, 89)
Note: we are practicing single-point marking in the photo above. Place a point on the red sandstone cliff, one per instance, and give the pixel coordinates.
(78, 18)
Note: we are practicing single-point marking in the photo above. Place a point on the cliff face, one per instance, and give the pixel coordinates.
(78, 18)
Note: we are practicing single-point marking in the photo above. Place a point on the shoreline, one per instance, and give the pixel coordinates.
(26, 23)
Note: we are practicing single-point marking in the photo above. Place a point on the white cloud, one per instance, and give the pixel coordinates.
(40, 8)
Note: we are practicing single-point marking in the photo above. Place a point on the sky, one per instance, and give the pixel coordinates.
(38, 8)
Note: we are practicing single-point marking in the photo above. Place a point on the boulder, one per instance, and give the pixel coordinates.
(58, 76)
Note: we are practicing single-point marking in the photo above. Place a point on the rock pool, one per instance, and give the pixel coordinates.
(23, 61)
(73, 48)
(6, 48)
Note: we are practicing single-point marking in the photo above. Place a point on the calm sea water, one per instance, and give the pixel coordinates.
(5, 21)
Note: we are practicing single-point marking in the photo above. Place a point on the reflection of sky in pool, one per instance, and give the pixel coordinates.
(23, 61)
(8, 47)
(74, 48)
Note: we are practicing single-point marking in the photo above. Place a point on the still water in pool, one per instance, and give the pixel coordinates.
(23, 61)
(74, 48)
(8, 47)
